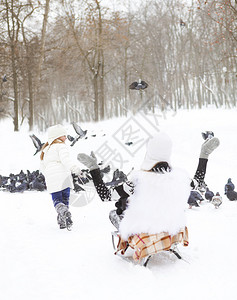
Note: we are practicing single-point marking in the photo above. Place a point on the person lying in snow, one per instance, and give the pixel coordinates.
(160, 186)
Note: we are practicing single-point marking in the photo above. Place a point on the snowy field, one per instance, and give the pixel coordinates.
(39, 261)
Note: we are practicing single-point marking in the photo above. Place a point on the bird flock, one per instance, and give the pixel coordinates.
(35, 181)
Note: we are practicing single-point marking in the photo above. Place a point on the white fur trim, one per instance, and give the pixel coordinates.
(158, 203)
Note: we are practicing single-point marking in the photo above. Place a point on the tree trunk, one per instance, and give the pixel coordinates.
(30, 84)
(15, 88)
(42, 50)
(12, 34)
(96, 98)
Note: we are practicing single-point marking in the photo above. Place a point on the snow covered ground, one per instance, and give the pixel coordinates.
(39, 261)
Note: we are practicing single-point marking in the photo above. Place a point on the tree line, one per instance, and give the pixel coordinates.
(74, 60)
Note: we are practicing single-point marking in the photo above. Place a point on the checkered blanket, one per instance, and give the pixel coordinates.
(145, 244)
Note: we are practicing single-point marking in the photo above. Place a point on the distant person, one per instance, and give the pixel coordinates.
(57, 168)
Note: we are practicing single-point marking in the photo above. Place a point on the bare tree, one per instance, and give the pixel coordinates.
(12, 11)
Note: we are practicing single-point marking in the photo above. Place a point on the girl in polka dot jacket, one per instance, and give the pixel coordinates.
(156, 160)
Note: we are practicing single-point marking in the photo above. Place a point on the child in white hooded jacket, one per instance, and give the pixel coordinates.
(57, 167)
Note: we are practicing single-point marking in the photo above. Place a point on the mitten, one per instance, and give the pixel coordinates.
(208, 146)
(89, 161)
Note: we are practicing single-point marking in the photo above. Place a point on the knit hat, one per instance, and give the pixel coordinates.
(55, 132)
(158, 149)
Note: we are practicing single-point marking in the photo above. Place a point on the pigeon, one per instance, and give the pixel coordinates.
(4, 79)
(217, 200)
(129, 143)
(80, 134)
(86, 173)
(182, 23)
(193, 198)
(37, 184)
(207, 135)
(23, 181)
(22, 176)
(229, 190)
(78, 130)
(70, 138)
(77, 188)
(21, 187)
(37, 143)
(3, 181)
(12, 186)
(105, 170)
(140, 85)
(118, 177)
(229, 186)
(209, 194)
(231, 195)
(83, 180)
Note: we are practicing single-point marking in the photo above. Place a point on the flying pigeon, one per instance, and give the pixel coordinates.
(207, 135)
(129, 143)
(105, 170)
(4, 79)
(118, 177)
(37, 143)
(80, 134)
(140, 85)
(182, 23)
